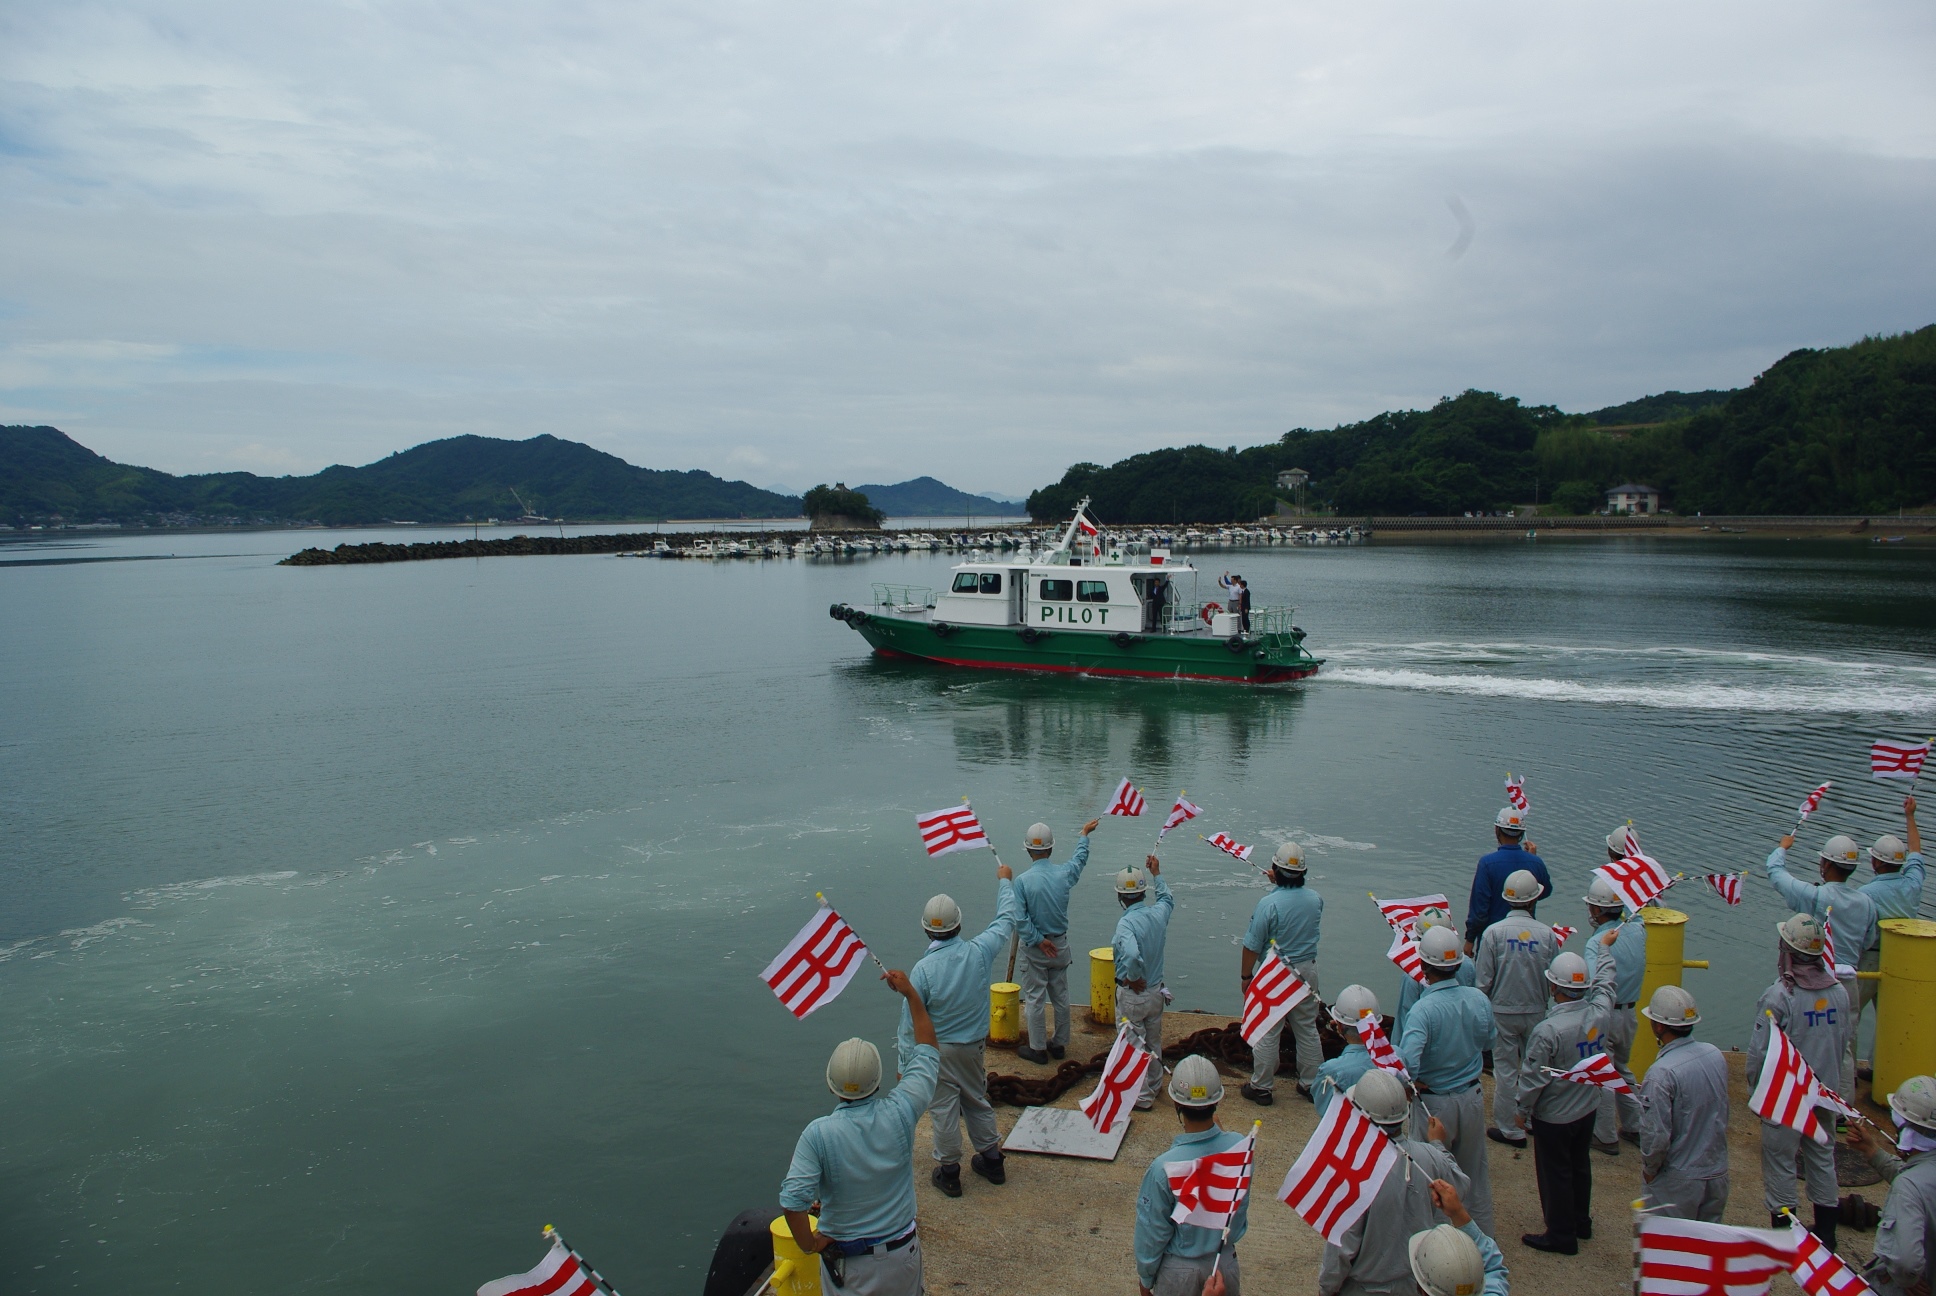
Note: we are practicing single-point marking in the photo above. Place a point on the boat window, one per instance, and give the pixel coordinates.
(991, 582)
(964, 583)
(1057, 590)
(1092, 591)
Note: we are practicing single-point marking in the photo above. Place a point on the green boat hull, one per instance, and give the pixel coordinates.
(1243, 659)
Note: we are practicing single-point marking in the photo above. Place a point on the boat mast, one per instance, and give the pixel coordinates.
(1069, 537)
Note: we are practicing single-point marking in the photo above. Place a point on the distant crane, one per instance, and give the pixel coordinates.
(530, 514)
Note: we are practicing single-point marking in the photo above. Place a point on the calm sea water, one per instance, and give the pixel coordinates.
(360, 921)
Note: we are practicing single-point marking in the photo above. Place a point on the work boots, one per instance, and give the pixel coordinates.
(1825, 1220)
(948, 1179)
(989, 1166)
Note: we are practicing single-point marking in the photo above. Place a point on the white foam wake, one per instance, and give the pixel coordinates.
(1822, 696)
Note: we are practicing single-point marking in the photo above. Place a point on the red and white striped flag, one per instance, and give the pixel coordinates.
(1339, 1172)
(1273, 991)
(952, 829)
(1209, 1189)
(1084, 525)
(1820, 1272)
(1630, 842)
(1516, 793)
(1181, 812)
(1595, 1070)
(1404, 952)
(1727, 886)
(1402, 915)
(1563, 934)
(1122, 1077)
(1230, 846)
(1786, 1091)
(560, 1273)
(1843, 970)
(1637, 879)
(1379, 1045)
(1889, 760)
(1680, 1257)
(1127, 801)
(1814, 799)
(817, 964)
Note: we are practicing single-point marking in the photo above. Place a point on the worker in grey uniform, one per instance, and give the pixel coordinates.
(1174, 1259)
(1044, 895)
(1559, 1113)
(1619, 1114)
(1409, 987)
(1683, 1114)
(1905, 1246)
(1141, 934)
(1372, 1256)
(1447, 1031)
(1514, 954)
(1288, 917)
(1812, 1008)
(854, 1162)
(953, 979)
(1850, 914)
(1338, 1074)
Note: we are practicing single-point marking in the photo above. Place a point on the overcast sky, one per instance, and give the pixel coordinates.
(799, 242)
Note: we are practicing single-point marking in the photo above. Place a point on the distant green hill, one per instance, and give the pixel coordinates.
(926, 497)
(1659, 409)
(43, 472)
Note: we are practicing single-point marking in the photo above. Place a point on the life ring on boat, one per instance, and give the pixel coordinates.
(1210, 610)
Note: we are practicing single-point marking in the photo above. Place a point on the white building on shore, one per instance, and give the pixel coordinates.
(1631, 498)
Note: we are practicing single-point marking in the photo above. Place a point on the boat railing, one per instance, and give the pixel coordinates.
(1272, 620)
(903, 598)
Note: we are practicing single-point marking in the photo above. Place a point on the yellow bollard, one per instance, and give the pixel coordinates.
(795, 1273)
(1666, 950)
(1905, 1040)
(1005, 1014)
(1102, 986)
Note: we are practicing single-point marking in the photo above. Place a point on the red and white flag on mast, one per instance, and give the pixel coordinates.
(1379, 1046)
(1820, 1272)
(1814, 799)
(1339, 1172)
(1122, 1078)
(1786, 1091)
(1404, 952)
(1637, 879)
(560, 1273)
(1181, 812)
(1888, 760)
(1084, 525)
(1516, 793)
(817, 964)
(1402, 915)
(1274, 990)
(1209, 1189)
(1595, 1070)
(1127, 801)
(1230, 846)
(1680, 1257)
(1727, 886)
(952, 829)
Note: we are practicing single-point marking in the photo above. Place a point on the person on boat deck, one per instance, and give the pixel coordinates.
(1287, 917)
(1683, 1114)
(1141, 934)
(854, 1164)
(1044, 895)
(1409, 987)
(952, 978)
(1849, 914)
(1343, 1071)
(1514, 954)
(1448, 1029)
(1905, 1246)
(1619, 1115)
(1487, 903)
(1157, 605)
(1174, 1259)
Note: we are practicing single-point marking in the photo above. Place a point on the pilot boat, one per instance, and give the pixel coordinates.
(1091, 606)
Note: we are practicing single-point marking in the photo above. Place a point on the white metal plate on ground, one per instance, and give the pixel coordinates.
(1063, 1131)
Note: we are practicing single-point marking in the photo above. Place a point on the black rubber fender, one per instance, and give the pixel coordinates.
(1031, 635)
(941, 629)
(857, 617)
(1235, 643)
(838, 611)
(1123, 639)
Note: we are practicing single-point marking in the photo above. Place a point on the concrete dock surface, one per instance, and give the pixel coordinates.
(1063, 1225)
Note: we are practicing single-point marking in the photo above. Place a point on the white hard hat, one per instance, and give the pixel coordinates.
(1195, 1082)
(1617, 839)
(941, 915)
(1440, 948)
(1888, 850)
(1601, 895)
(1381, 1096)
(1354, 1001)
(1289, 858)
(1671, 1006)
(1433, 917)
(1800, 933)
(1841, 851)
(1522, 887)
(1132, 881)
(854, 1071)
(1040, 837)
(1568, 972)
(1510, 820)
(1915, 1101)
(1445, 1262)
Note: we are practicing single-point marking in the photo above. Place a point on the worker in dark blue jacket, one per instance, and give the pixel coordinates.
(1487, 904)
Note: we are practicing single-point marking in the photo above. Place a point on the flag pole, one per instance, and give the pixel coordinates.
(822, 898)
(597, 1277)
(1250, 1163)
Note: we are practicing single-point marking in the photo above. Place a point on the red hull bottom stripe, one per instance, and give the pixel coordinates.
(1262, 677)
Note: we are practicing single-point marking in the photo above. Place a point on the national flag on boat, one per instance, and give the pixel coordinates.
(1681, 1257)
(952, 829)
(1812, 800)
(1786, 1092)
(1084, 525)
(1516, 793)
(1402, 915)
(1378, 1044)
(1595, 1070)
(1727, 886)
(1339, 1172)
(563, 1272)
(1404, 952)
(1127, 801)
(1209, 1189)
(817, 964)
(1181, 812)
(1889, 760)
(1274, 989)
(1563, 934)
(1637, 879)
(1819, 1271)
(1116, 1090)
(1230, 846)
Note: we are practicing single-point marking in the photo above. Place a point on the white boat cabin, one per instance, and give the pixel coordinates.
(1107, 599)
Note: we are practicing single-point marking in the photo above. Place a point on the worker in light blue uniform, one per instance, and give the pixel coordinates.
(1044, 895)
(1850, 914)
(1287, 917)
(1175, 1259)
(1410, 988)
(1449, 1028)
(1487, 904)
(854, 1162)
(1338, 1074)
(1619, 1115)
(952, 978)
(1138, 948)
(1896, 892)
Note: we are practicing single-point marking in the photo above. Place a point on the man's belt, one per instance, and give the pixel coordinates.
(862, 1246)
(1625, 1006)
(1448, 1093)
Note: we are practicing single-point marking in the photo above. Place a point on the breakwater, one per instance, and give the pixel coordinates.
(512, 546)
